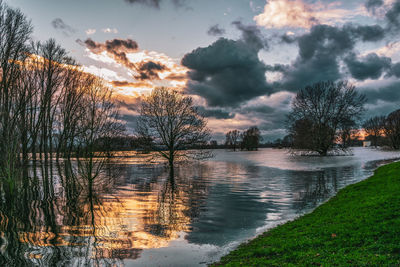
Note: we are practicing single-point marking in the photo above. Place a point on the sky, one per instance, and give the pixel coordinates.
(242, 61)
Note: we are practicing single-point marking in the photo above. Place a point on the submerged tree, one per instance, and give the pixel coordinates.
(373, 127)
(251, 139)
(232, 139)
(392, 129)
(320, 111)
(171, 121)
(15, 32)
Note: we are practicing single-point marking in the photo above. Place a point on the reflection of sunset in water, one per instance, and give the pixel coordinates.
(128, 210)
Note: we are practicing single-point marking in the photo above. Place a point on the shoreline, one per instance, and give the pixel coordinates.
(360, 225)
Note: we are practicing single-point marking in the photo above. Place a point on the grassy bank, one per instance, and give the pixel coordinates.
(360, 226)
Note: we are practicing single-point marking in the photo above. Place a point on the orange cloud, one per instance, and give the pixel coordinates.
(297, 14)
(133, 71)
(130, 84)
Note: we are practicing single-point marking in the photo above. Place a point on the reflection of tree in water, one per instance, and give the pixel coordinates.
(72, 213)
(180, 196)
(319, 185)
(53, 219)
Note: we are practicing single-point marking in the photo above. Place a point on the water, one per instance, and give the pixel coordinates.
(132, 213)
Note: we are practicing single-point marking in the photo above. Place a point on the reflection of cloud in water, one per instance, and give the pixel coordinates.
(133, 214)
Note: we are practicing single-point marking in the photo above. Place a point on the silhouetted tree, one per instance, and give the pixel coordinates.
(171, 121)
(346, 131)
(232, 139)
(373, 127)
(15, 32)
(320, 111)
(392, 129)
(251, 139)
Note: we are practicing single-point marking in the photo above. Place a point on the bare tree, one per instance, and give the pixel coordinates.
(251, 139)
(374, 128)
(392, 129)
(15, 32)
(232, 139)
(318, 113)
(173, 124)
(99, 122)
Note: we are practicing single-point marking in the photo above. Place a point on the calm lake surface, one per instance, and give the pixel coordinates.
(133, 214)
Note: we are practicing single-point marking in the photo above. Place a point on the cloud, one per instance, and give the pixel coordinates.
(215, 113)
(372, 5)
(320, 53)
(389, 93)
(156, 3)
(393, 16)
(228, 72)
(216, 30)
(391, 49)
(149, 70)
(90, 31)
(130, 84)
(117, 48)
(251, 35)
(112, 46)
(371, 66)
(369, 33)
(395, 70)
(298, 14)
(150, 3)
(108, 30)
(61, 26)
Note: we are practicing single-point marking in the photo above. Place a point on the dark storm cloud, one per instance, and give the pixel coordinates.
(370, 33)
(251, 35)
(393, 16)
(259, 109)
(215, 113)
(61, 26)
(149, 70)
(216, 30)
(320, 53)
(371, 5)
(228, 72)
(370, 67)
(395, 70)
(390, 93)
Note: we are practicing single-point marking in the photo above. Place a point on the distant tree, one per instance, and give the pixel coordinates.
(171, 121)
(251, 139)
(392, 129)
(287, 141)
(374, 128)
(232, 139)
(320, 111)
(213, 143)
(346, 131)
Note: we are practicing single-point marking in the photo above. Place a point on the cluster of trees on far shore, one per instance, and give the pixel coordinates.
(247, 140)
(384, 130)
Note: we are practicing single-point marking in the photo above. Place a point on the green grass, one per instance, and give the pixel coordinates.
(360, 226)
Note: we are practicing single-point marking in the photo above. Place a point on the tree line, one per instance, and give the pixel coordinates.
(327, 117)
(49, 107)
(246, 140)
(384, 130)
